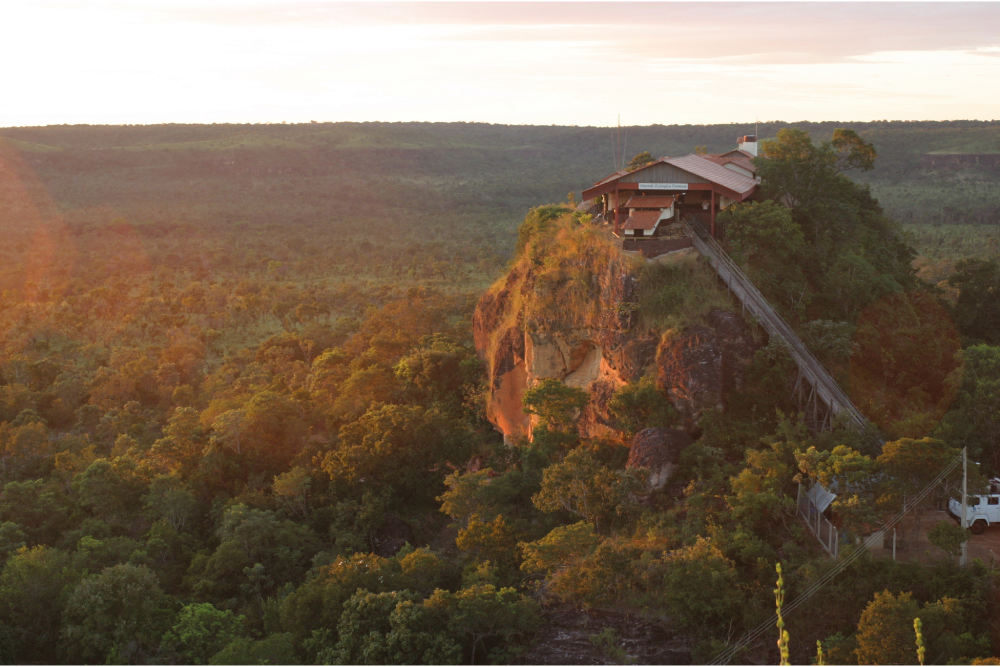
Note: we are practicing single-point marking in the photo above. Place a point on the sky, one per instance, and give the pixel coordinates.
(562, 63)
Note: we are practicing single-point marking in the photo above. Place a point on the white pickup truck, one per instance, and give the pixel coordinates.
(981, 511)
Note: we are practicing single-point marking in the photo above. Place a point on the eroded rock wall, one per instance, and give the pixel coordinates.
(695, 368)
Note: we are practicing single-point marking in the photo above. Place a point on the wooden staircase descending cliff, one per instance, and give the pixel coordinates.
(818, 394)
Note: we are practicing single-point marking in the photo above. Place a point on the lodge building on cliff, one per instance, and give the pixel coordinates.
(645, 204)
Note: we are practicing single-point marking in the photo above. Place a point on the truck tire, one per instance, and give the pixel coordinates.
(978, 526)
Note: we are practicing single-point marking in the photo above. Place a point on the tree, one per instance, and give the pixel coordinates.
(391, 628)
(798, 171)
(698, 586)
(465, 496)
(364, 388)
(494, 542)
(23, 446)
(355, 525)
(202, 631)
(853, 152)
(854, 475)
(764, 237)
(842, 225)
(885, 632)
(183, 443)
(537, 222)
(947, 633)
(909, 466)
(906, 368)
(639, 161)
(109, 490)
(979, 400)
(319, 601)
(483, 613)
(761, 232)
(440, 370)
(40, 509)
(759, 500)
(423, 571)
(600, 576)
(404, 449)
(583, 487)
(560, 547)
(273, 431)
(640, 405)
(229, 429)
(977, 308)
(32, 598)
(170, 499)
(276, 649)
(12, 539)
(249, 538)
(555, 403)
(120, 614)
(293, 489)
(948, 537)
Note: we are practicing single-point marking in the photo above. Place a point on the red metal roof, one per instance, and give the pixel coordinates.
(659, 202)
(727, 178)
(737, 152)
(642, 220)
(738, 160)
(617, 174)
(741, 186)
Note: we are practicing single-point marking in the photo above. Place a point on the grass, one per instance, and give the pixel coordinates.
(563, 280)
(568, 278)
(677, 294)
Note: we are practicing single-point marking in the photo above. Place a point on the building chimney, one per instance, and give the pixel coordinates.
(747, 143)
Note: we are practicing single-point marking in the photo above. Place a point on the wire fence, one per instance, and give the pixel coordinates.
(828, 390)
(728, 654)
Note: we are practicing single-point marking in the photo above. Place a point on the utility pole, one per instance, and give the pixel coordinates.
(965, 514)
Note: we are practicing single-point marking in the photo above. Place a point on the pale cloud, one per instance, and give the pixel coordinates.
(538, 63)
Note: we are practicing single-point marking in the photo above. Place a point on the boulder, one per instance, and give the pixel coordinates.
(659, 450)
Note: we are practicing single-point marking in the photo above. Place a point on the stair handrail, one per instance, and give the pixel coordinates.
(775, 325)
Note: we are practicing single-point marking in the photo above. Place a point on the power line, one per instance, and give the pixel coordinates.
(728, 654)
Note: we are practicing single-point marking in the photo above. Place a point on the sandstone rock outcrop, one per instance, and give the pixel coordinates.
(595, 351)
(701, 365)
(659, 450)
(738, 345)
(575, 322)
(689, 369)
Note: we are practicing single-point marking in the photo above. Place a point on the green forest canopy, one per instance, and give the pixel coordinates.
(237, 379)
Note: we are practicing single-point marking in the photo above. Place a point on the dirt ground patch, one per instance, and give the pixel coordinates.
(985, 547)
(565, 639)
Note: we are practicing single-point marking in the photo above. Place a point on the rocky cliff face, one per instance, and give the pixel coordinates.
(699, 366)
(576, 321)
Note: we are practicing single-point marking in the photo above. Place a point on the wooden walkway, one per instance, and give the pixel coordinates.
(820, 397)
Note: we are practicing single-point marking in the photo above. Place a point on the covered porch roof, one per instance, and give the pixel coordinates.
(691, 172)
(655, 201)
